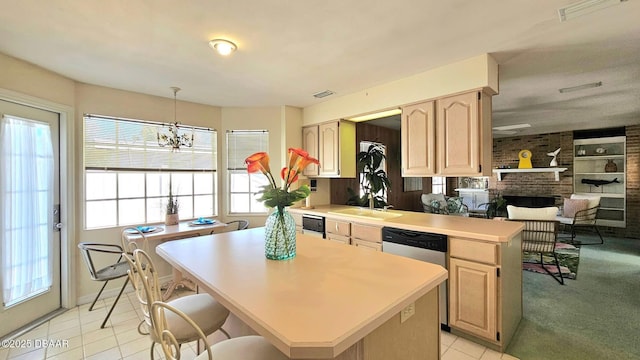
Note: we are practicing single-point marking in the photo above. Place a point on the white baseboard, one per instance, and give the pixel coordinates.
(111, 293)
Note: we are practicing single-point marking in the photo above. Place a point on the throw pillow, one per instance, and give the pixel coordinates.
(525, 213)
(439, 207)
(454, 205)
(572, 206)
(594, 200)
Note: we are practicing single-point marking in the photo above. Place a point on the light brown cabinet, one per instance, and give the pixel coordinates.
(366, 236)
(310, 145)
(339, 231)
(297, 219)
(418, 126)
(485, 289)
(473, 297)
(335, 142)
(449, 136)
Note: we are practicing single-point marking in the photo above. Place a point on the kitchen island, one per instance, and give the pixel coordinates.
(484, 259)
(329, 302)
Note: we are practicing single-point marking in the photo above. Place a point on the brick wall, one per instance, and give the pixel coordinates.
(505, 153)
(633, 182)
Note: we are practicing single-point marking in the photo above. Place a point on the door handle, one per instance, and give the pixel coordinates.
(57, 227)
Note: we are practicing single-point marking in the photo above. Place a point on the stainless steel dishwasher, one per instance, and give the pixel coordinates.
(428, 247)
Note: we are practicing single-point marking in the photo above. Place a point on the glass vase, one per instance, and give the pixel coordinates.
(280, 236)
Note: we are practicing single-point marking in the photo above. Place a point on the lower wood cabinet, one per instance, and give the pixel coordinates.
(368, 245)
(339, 238)
(337, 230)
(473, 297)
(366, 236)
(361, 235)
(485, 290)
(297, 218)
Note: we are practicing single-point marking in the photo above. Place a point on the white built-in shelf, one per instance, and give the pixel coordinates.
(556, 171)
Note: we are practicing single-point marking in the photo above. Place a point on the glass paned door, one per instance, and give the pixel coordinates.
(29, 245)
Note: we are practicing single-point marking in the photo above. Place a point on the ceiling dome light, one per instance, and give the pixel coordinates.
(222, 46)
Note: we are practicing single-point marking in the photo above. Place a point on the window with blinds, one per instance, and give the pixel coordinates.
(127, 174)
(243, 187)
(439, 185)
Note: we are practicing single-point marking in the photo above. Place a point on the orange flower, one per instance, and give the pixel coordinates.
(289, 175)
(306, 161)
(294, 155)
(272, 195)
(258, 162)
(300, 159)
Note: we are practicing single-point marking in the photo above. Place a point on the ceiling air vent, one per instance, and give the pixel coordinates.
(322, 94)
(584, 7)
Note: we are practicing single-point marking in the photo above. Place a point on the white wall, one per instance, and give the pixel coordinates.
(26, 78)
(474, 73)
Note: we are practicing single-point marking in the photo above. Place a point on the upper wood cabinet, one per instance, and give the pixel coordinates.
(336, 148)
(452, 140)
(310, 144)
(418, 126)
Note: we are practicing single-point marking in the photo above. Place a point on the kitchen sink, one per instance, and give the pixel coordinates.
(366, 213)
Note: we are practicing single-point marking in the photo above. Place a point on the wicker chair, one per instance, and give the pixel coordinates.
(583, 219)
(540, 236)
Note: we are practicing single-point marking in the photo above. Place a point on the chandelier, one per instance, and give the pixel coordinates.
(173, 139)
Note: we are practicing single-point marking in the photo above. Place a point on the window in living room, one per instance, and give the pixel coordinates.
(127, 174)
(243, 187)
(439, 185)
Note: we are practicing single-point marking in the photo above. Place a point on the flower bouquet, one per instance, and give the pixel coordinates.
(280, 228)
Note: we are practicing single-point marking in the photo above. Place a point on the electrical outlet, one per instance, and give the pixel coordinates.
(407, 312)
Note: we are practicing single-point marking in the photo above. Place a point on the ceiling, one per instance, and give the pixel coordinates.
(289, 50)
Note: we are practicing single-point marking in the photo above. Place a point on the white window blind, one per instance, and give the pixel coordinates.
(242, 143)
(123, 144)
(244, 187)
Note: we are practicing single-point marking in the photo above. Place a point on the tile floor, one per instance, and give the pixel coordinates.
(76, 335)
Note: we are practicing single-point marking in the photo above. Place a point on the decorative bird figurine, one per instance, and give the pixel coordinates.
(554, 162)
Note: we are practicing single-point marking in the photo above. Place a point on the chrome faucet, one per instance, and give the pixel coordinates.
(386, 207)
(371, 206)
